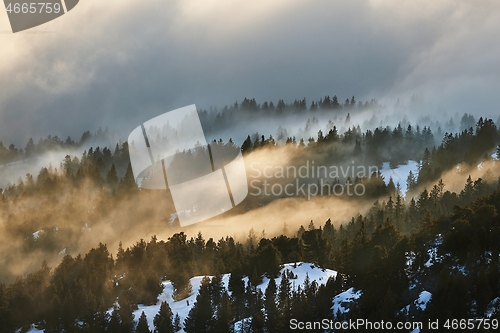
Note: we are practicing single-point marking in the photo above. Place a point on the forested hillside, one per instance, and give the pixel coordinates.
(65, 268)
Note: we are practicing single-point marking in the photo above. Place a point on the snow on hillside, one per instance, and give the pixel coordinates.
(492, 306)
(423, 299)
(33, 329)
(343, 301)
(420, 304)
(300, 270)
(182, 307)
(399, 174)
(432, 252)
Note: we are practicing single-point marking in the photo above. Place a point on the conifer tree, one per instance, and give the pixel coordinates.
(272, 314)
(163, 320)
(128, 181)
(126, 316)
(216, 288)
(256, 305)
(112, 177)
(115, 321)
(201, 316)
(224, 321)
(247, 145)
(99, 322)
(284, 300)
(142, 325)
(237, 288)
(177, 323)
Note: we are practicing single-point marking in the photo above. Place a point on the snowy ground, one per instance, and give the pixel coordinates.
(182, 307)
(423, 299)
(399, 174)
(343, 301)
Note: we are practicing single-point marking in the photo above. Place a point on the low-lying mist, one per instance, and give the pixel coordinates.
(67, 206)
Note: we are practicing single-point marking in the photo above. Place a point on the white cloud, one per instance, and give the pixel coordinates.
(123, 61)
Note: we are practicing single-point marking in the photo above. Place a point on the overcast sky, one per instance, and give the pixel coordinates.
(117, 63)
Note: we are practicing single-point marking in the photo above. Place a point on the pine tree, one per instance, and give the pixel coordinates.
(267, 260)
(142, 325)
(117, 152)
(29, 150)
(201, 316)
(272, 313)
(237, 289)
(115, 321)
(216, 288)
(163, 320)
(128, 181)
(329, 232)
(224, 320)
(399, 207)
(468, 192)
(99, 322)
(112, 177)
(177, 323)
(182, 284)
(126, 316)
(308, 295)
(284, 300)
(411, 182)
(247, 145)
(256, 305)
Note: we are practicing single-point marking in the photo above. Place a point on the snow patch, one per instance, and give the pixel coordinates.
(243, 325)
(400, 173)
(37, 234)
(493, 307)
(299, 269)
(423, 299)
(433, 250)
(33, 329)
(343, 301)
